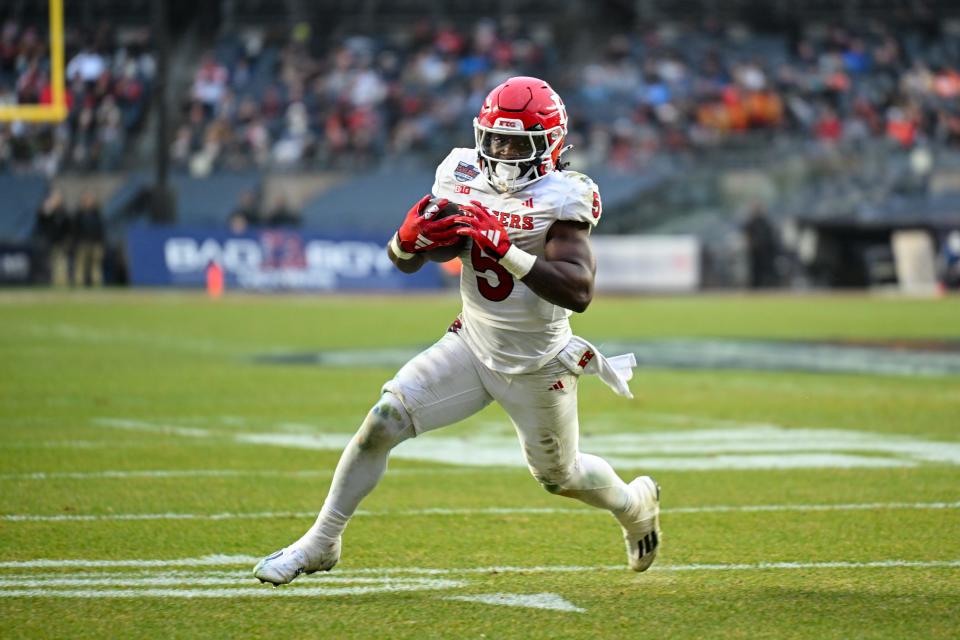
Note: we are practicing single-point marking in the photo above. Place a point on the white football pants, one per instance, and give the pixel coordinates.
(445, 384)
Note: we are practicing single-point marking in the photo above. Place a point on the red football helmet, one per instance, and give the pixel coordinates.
(520, 133)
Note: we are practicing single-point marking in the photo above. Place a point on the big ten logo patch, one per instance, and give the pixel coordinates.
(461, 188)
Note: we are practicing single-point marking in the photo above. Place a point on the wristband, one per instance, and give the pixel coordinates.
(397, 251)
(517, 261)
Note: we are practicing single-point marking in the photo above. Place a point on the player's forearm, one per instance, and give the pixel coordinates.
(567, 284)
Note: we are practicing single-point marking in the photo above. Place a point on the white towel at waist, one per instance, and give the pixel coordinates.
(581, 357)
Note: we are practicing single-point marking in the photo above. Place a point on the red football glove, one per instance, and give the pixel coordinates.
(418, 234)
(485, 228)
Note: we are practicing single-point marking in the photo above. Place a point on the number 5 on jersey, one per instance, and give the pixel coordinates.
(483, 264)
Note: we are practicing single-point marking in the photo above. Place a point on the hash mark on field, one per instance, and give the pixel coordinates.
(495, 511)
(148, 427)
(528, 600)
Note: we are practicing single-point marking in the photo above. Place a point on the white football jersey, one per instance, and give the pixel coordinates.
(509, 327)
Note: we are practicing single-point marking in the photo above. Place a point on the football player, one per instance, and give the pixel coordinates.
(526, 265)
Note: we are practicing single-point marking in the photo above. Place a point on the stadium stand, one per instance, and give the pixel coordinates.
(271, 100)
(108, 85)
(21, 197)
(687, 113)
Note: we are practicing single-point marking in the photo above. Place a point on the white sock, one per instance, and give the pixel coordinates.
(328, 526)
(362, 464)
(597, 484)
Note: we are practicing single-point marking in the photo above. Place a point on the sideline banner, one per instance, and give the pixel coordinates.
(267, 260)
(647, 263)
(15, 261)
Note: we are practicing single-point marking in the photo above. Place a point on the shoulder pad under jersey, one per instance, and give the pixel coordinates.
(582, 203)
(458, 169)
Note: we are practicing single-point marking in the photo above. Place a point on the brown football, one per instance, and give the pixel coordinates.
(432, 212)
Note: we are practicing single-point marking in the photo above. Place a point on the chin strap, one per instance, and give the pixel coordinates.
(561, 165)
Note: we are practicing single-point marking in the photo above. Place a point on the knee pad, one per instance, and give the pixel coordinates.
(552, 480)
(386, 425)
(545, 459)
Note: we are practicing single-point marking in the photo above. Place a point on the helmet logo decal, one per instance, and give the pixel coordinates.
(508, 123)
(562, 110)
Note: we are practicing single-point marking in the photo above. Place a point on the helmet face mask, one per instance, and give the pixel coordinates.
(519, 133)
(513, 147)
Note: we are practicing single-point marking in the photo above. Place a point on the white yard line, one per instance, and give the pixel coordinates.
(238, 592)
(120, 474)
(160, 473)
(214, 560)
(767, 566)
(78, 444)
(92, 335)
(351, 575)
(866, 506)
(869, 506)
(183, 575)
(113, 581)
(757, 566)
(120, 580)
(155, 516)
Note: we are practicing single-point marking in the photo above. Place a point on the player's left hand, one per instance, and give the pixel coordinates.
(485, 228)
(418, 234)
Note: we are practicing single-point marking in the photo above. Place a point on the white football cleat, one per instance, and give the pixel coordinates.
(643, 536)
(283, 566)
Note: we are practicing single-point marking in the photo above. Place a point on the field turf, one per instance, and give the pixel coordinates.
(154, 445)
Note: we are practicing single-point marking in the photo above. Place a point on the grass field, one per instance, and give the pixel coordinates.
(153, 446)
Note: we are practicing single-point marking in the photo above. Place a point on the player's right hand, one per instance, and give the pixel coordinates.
(418, 234)
(485, 228)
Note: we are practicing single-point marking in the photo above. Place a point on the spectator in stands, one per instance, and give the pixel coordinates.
(950, 257)
(51, 238)
(296, 139)
(89, 238)
(210, 83)
(828, 128)
(110, 135)
(107, 86)
(671, 87)
(762, 247)
(281, 215)
(246, 213)
(88, 65)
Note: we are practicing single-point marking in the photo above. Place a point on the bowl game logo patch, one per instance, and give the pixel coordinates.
(465, 172)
